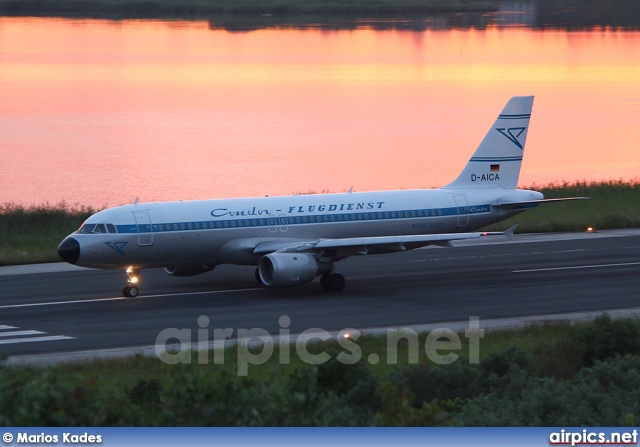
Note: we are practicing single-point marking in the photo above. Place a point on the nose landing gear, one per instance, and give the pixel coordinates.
(131, 289)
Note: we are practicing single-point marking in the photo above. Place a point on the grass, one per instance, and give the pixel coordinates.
(612, 204)
(31, 235)
(125, 372)
(121, 374)
(145, 391)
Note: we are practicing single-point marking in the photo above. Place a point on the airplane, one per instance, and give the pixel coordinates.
(294, 239)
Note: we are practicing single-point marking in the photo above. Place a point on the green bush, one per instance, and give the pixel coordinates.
(200, 396)
(42, 399)
(558, 359)
(426, 383)
(337, 390)
(527, 384)
(607, 338)
(607, 394)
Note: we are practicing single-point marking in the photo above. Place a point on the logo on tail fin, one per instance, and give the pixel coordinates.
(512, 133)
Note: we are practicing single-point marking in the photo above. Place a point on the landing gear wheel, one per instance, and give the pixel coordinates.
(130, 291)
(333, 281)
(324, 281)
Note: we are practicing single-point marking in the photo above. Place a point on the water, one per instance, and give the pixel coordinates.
(99, 112)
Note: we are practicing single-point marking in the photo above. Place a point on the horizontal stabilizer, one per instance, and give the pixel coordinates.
(507, 206)
(510, 231)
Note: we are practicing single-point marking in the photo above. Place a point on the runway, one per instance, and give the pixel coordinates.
(58, 308)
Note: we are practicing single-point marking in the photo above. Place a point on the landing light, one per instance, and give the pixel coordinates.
(346, 335)
(134, 280)
(591, 229)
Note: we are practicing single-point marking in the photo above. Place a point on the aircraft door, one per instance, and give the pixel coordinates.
(273, 225)
(284, 226)
(145, 231)
(463, 210)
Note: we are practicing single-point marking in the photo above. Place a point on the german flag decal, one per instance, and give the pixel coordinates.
(495, 168)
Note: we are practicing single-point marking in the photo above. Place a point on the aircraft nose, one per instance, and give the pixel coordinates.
(69, 250)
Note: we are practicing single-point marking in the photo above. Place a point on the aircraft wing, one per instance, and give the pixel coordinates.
(375, 244)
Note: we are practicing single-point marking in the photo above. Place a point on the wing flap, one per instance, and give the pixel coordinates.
(267, 247)
(363, 245)
(410, 239)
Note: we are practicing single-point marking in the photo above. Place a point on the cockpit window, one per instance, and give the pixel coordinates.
(97, 229)
(86, 228)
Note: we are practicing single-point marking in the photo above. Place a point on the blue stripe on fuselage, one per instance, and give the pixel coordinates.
(276, 221)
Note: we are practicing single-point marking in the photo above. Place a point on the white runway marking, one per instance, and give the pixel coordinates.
(12, 306)
(35, 339)
(9, 337)
(118, 298)
(20, 333)
(576, 267)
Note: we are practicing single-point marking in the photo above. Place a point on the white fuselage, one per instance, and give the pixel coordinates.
(211, 232)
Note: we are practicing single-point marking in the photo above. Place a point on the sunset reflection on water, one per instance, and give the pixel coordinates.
(99, 112)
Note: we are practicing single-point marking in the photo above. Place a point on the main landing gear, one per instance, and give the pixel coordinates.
(131, 289)
(332, 281)
(328, 281)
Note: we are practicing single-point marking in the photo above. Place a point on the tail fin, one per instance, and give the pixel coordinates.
(496, 162)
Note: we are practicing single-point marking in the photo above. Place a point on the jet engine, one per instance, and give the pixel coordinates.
(290, 269)
(188, 271)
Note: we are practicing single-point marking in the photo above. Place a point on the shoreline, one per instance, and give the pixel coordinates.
(404, 15)
(160, 8)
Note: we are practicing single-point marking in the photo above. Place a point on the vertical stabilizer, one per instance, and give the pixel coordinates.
(496, 163)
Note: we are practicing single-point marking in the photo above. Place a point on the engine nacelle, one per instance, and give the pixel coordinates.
(290, 269)
(188, 271)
